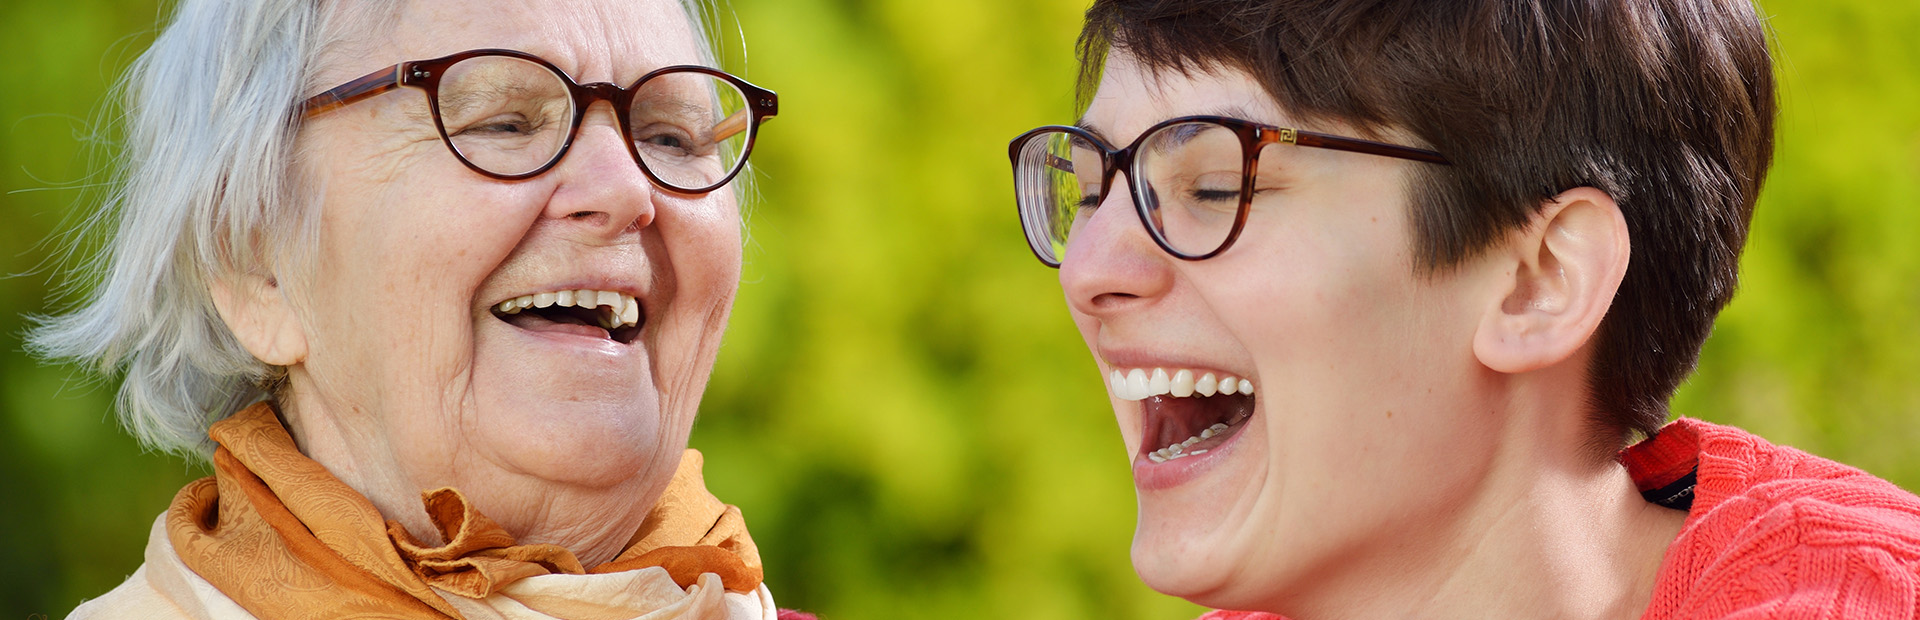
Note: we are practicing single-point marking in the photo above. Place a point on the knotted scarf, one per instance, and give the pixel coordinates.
(282, 537)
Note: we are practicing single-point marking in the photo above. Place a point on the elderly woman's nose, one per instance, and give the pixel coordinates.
(600, 184)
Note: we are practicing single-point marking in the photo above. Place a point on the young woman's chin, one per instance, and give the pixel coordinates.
(1193, 539)
(1217, 575)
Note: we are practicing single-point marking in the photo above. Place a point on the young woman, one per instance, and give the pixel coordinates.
(1382, 291)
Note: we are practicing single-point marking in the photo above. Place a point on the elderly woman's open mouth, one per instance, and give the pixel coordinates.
(612, 315)
(1187, 412)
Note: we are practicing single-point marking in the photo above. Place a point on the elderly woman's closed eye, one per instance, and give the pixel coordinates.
(438, 286)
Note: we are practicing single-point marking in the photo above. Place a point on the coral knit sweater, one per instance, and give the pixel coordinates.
(1771, 532)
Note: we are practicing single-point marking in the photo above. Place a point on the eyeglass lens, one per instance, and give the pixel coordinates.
(511, 116)
(1187, 179)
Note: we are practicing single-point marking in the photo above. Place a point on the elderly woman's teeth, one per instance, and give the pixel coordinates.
(617, 309)
(1138, 384)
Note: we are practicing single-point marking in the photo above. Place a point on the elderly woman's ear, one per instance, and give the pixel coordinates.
(256, 309)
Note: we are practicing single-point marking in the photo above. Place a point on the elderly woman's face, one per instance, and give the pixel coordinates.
(405, 356)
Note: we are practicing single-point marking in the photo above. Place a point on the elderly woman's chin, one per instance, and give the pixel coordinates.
(571, 408)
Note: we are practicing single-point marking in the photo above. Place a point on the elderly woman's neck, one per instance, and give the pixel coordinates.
(363, 461)
(595, 522)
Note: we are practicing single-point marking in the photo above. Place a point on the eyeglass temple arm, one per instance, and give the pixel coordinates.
(360, 88)
(761, 103)
(732, 125)
(1060, 163)
(1339, 143)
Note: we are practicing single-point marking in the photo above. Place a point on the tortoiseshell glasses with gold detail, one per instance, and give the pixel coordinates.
(1192, 178)
(511, 115)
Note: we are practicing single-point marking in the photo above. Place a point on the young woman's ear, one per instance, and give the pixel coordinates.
(255, 308)
(1566, 265)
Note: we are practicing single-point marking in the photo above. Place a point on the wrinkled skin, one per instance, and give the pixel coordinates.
(402, 380)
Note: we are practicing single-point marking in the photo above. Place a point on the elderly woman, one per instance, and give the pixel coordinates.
(1381, 291)
(437, 287)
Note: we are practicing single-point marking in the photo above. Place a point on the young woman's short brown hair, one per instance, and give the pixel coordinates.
(1666, 105)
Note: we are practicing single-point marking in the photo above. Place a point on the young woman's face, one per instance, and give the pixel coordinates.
(1362, 424)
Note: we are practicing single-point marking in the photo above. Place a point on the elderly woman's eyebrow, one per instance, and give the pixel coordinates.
(454, 103)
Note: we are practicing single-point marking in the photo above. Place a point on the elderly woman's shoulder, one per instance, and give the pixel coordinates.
(162, 589)
(135, 598)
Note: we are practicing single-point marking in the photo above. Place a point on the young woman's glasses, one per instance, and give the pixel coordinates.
(512, 115)
(1192, 179)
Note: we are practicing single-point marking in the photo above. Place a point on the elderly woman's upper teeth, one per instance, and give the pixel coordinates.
(631, 316)
(623, 310)
(1139, 384)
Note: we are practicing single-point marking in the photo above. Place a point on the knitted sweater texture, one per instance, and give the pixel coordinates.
(1772, 532)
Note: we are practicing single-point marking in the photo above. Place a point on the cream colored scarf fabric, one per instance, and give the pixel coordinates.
(272, 535)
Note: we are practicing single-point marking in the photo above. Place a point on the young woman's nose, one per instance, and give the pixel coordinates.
(1111, 263)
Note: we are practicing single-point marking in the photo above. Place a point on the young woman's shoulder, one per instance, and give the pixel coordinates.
(1777, 531)
(1771, 532)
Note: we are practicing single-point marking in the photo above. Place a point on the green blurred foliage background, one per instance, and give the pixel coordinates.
(902, 408)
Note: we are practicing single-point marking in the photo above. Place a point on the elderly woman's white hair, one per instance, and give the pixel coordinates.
(206, 187)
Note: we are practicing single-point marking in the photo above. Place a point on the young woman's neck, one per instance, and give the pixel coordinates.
(1555, 531)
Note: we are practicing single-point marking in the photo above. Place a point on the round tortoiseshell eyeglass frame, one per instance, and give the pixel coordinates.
(761, 105)
(1253, 138)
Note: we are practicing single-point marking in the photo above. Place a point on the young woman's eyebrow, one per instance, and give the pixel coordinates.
(1231, 111)
(1087, 126)
(1234, 111)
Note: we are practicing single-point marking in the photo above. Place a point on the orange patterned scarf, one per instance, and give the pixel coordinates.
(277, 533)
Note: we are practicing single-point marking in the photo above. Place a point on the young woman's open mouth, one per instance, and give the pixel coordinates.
(1185, 414)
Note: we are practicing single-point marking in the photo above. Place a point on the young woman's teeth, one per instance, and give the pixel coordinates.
(621, 309)
(1179, 450)
(1137, 384)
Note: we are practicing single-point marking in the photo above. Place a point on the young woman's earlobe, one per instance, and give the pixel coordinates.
(1559, 276)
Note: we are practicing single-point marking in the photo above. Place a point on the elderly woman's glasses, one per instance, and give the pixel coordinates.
(1192, 179)
(512, 115)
